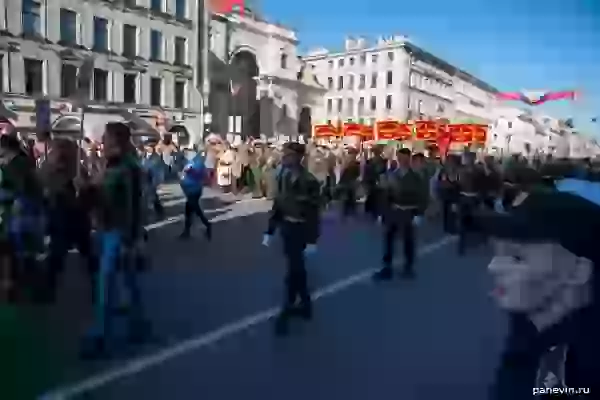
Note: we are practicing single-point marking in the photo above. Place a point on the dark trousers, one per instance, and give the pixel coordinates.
(466, 224)
(348, 201)
(294, 243)
(448, 216)
(327, 189)
(64, 236)
(192, 207)
(372, 202)
(399, 222)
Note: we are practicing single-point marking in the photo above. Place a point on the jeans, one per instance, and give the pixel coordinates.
(115, 259)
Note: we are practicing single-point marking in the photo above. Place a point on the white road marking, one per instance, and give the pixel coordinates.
(174, 202)
(140, 364)
(229, 213)
(176, 218)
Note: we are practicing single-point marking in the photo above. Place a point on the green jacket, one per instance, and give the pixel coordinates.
(298, 199)
(121, 193)
(405, 189)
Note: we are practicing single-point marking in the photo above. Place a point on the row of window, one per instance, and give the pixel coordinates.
(101, 42)
(34, 84)
(161, 6)
(362, 81)
(361, 105)
(31, 12)
(70, 34)
(429, 84)
(341, 62)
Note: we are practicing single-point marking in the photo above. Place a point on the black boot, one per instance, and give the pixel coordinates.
(303, 310)
(306, 310)
(384, 274)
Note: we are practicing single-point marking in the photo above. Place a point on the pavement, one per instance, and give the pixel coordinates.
(211, 304)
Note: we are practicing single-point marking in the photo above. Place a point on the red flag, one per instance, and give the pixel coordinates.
(538, 98)
(225, 6)
(444, 138)
(509, 96)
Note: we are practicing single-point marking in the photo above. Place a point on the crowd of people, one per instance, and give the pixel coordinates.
(107, 194)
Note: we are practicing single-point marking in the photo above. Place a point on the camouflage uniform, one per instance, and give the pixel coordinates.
(296, 215)
(404, 196)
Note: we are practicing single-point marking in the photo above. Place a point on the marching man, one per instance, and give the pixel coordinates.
(296, 215)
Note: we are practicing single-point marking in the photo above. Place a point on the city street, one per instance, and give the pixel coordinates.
(210, 305)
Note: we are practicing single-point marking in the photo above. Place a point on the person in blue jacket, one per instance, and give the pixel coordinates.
(192, 184)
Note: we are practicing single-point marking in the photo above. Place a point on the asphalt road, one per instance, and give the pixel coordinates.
(210, 305)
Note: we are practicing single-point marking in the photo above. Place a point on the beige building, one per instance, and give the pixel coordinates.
(395, 79)
(143, 51)
(258, 84)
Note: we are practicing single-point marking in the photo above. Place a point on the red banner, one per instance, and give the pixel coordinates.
(405, 131)
(426, 130)
(352, 129)
(480, 133)
(387, 129)
(325, 130)
(367, 132)
(430, 131)
(461, 133)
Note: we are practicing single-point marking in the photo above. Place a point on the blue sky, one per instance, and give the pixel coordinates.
(512, 44)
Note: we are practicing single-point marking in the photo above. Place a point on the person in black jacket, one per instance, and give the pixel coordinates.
(64, 203)
(404, 200)
(296, 215)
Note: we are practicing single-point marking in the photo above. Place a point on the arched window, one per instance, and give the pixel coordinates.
(284, 61)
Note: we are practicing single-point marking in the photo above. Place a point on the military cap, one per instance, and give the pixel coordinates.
(549, 216)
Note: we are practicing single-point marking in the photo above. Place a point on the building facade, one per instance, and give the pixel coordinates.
(521, 131)
(395, 79)
(582, 146)
(258, 84)
(143, 53)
